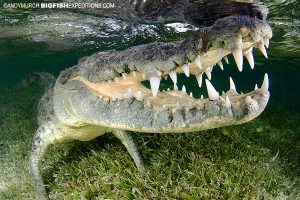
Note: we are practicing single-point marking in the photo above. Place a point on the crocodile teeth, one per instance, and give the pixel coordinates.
(199, 79)
(208, 73)
(202, 97)
(221, 65)
(154, 83)
(124, 75)
(116, 79)
(173, 76)
(227, 102)
(248, 100)
(197, 62)
(186, 70)
(232, 85)
(238, 57)
(265, 86)
(129, 93)
(212, 93)
(263, 50)
(191, 94)
(250, 58)
(226, 59)
(256, 87)
(139, 96)
(133, 74)
(175, 87)
(267, 42)
(183, 89)
(148, 103)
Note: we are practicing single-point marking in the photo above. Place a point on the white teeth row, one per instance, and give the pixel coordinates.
(214, 95)
(238, 57)
(173, 76)
(238, 54)
(197, 62)
(232, 85)
(154, 83)
(221, 65)
(199, 79)
(249, 56)
(186, 70)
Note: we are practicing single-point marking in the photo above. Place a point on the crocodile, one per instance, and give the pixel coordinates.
(106, 92)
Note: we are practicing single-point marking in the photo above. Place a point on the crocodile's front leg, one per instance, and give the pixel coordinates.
(127, 141)
(43, 138)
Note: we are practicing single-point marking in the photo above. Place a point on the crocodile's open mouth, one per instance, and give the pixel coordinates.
(129, 85)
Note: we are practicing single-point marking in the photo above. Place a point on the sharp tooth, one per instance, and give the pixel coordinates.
(221, 65)
(191, 94)
(232, 85)
(223, 92)
(256, 87)
(154, 83)
(139, 96)
(212, 93)
(199, 79)
(226, 59)
(197, 62)
(265, 86)
(148, 103)
(208, 74)
(173, 76)
(183, 89)
(175, 87)
(124, 75)
(250, 59)
(105, 99)
(129, 93)
(165, 77)
(133, 74)
(202, 97)
(263, 50)
(238, 57)
(168, 90)
(186, 69)
(109, 81)
(116, 79)
(143, 76)
(267, 42)
(220, 52)
(227, 102)
(248, 100)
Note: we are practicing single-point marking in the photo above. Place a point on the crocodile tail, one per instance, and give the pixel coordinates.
(41, 140)
(43, 78)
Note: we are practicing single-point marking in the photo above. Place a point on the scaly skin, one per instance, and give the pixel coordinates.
(103, 92)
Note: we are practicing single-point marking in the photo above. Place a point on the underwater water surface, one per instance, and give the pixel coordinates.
(47, 41)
